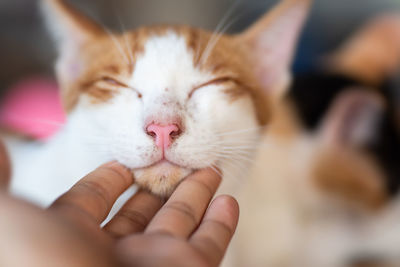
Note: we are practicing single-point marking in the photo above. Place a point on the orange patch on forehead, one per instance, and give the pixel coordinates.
(105, 56)
(114, 69)
(225, 57)
(116, 56)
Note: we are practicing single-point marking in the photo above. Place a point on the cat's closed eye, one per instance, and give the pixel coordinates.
(216, 81)
(112, 83)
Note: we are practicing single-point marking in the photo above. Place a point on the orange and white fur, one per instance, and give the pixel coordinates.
(314, 199)
(318, 199)
(162, 100)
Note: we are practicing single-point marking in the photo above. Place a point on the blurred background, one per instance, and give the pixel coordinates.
(26, 49)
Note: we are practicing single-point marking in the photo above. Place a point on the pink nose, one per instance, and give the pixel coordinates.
(163, 135)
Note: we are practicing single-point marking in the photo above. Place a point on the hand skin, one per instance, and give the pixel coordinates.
(185, 231)
(5, 170)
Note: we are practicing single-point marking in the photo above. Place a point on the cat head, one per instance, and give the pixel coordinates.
(168, 100)
(344, 164)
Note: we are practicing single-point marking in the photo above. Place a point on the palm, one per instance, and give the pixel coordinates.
(147, 231)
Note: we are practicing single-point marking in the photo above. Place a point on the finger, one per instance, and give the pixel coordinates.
(95, 194)
(135, 215)
(217, 228)
(5, 169)
(183, 211)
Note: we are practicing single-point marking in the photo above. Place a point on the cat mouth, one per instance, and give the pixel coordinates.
(165, 161)
(162, 177)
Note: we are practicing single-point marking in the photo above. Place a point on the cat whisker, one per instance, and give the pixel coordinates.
(213, 167)
(230, 145)
(127, 42)
(237, 170)
(226, 143)
(233, 143)
(213, 43)
(216, 170)
(245, 136)
(238, 162)
(234, 149)
(251, 149)
(117, 44)
(226, 172)
(255, 129)
(218, 28)
(228, 152)
(228, 139)
(248, 151)
(216, 37)
(236, 157)
(252, 144)
(200, 149)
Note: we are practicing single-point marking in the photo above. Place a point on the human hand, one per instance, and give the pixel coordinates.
(5, 168)
(179, 234)
(139, 235)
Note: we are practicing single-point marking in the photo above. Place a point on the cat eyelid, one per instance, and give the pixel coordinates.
(115, 82)
(212, 82)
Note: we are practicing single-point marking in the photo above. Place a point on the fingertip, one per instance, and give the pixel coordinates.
(119, 169)
(186, 207)
(208, 174)
(228, 209)
(217, 228)
(96, 193)
(213, 172)
(217, 170)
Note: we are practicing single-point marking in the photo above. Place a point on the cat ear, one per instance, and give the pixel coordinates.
(353, 119)
(271, 43)
(68, 25)
(373, 53)
(71, 30)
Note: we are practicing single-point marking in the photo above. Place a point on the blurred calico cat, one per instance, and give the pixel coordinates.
(370, 59)
(323, 190)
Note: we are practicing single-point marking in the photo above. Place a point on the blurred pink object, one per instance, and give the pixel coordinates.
(33, 108)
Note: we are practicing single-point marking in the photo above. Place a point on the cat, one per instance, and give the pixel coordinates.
(369, 59)
(315, 199)
(164, 101)
(318, 194)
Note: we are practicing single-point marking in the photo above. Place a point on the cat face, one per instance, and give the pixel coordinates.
(168, 100)
(167, 89)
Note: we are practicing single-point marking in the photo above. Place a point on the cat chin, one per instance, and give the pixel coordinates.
(161, 179)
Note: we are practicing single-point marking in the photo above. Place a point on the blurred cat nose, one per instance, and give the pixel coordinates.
(163, 135)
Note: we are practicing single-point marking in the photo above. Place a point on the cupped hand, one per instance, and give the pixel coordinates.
(184, 231)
